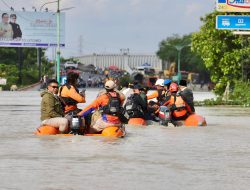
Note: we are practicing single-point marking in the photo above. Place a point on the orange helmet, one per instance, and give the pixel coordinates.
(173, 87)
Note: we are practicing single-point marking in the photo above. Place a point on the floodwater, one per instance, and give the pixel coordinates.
(206, 158)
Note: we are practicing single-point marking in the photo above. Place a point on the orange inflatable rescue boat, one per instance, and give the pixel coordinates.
(107, 132)
(137, 121)
(193, 120)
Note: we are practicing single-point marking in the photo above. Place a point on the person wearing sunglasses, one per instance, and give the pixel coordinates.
(52, 113)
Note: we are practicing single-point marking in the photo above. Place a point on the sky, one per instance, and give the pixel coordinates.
(106, 26)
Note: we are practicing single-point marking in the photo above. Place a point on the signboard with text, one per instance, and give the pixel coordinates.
(233, 5)
(3, 81)
(30, 29)
(233, 22)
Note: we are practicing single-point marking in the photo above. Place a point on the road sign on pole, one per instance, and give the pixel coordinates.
(233, 22)
(233, 5)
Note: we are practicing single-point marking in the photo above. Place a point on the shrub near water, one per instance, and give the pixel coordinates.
(241, 93)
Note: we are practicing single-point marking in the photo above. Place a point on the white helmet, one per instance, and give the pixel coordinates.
(159, 82)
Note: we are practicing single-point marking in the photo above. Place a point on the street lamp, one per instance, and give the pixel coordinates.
(179, 48)
(57, 35)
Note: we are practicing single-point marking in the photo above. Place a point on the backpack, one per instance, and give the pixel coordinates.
(132, 108)
(114, 105)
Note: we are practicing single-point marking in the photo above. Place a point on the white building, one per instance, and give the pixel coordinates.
(121, 60)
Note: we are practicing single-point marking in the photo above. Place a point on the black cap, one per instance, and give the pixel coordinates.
(183, 83)
(138, 86)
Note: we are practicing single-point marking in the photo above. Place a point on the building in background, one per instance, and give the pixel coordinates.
(123, 61)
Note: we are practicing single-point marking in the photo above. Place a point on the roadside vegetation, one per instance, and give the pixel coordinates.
(227, 58)
(29, 73)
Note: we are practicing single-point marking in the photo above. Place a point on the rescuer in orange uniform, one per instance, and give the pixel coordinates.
(110, 106)
(70, 94)
(179, 109)
(159, 93)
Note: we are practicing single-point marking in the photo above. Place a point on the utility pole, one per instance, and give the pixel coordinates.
(58, 42)
(20, 64)
(39, 58)
(80, 45)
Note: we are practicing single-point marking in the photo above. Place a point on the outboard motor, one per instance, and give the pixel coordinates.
(164, 115)
(75, 125)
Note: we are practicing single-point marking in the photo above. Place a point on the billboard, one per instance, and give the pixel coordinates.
(30, 29)
(233, 5)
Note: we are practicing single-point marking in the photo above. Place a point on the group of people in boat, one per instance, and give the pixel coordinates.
(111, 106)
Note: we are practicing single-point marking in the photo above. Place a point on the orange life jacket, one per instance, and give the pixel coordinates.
(70, 97)
(181, 109)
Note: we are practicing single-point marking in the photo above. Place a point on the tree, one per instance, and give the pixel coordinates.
(222, 52)
(190, 61)
(9, 72)
(9, 66)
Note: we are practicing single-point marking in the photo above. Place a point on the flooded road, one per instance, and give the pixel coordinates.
(156, 157)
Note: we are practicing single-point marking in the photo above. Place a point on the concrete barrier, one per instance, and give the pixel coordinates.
(38, 84)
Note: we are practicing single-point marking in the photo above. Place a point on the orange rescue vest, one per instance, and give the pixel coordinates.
(180, 105)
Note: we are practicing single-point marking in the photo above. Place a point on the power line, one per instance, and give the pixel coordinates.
(6, 4)
(11, 8)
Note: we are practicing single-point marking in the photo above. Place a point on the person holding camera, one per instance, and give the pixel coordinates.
(70, 96)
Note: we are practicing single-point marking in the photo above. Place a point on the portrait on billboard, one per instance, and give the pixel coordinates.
(17, 32)
(6, 30)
